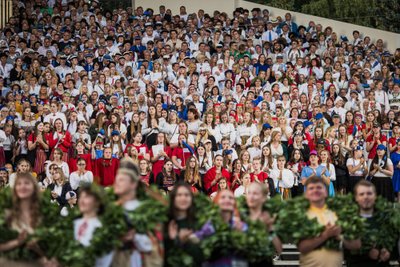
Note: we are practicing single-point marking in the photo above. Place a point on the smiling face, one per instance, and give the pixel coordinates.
(255, 197)
(123, 184)
(87, 203)
(316, 192)
(24, 188)
(183, 199)
(226, 201)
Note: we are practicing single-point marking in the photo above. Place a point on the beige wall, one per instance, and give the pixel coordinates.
(392, 40)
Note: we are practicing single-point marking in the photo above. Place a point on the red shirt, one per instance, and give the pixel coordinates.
(370, 138)
(105, 171)
(73, 161)
(210, 176)
(63, 145)
(158, 165)
(262, 176)
(140, 149)
(46, 137)
(182, 155)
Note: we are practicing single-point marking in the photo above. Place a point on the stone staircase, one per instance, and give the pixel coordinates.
(290, 257)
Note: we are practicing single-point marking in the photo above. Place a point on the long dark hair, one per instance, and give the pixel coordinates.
(172, 209)
(173, 174)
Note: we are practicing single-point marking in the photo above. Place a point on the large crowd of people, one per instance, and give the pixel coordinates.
(219, 102)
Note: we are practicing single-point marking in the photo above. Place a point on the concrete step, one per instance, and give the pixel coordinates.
(286, 263)
(290, 255)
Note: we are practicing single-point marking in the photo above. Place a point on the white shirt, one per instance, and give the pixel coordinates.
(265, 36)
(51, 118)
(76, 179)
(142, 242)
(3, 137)
(287, 178)
(84, 234)
(382, 98)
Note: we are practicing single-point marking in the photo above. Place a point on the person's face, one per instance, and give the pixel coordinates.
(255, 197)
(138, 137)
(365, 197)
(256, 165)
(87, 203)
(192, 163)
(143, 165)
(380, 152)
(316, 192)
(314, 159)
(226, 202)
(24, 188)
(324, 156)
(58, 125)
(266, 151)
(81, 164)
(107, 153)
(335, 149)
(123, 184)
(281, 163)
(183, 199)
(218, 162)
(168, 166)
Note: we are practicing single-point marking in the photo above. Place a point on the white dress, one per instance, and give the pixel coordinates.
(84, 234)
(142, 242)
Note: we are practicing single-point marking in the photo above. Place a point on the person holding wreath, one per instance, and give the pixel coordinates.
(311, 252)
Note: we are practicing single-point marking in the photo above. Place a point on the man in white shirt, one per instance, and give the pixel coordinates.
(381, 96)
(46, 47)
(63, 69)
(269, 35)
(5, 67)
(55, 114)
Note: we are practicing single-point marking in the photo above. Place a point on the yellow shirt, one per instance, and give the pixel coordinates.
(322, 257)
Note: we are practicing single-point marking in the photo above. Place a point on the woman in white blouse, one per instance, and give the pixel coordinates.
(81, 175)
(245, 131)
(91, 206)
(226, 129)
(59, 162)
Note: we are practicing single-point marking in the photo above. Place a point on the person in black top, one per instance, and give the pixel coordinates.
(365, 196)
(167, 178)
(181, 225)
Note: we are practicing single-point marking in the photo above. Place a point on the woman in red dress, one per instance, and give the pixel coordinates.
(37, 140)
(106, 168)
(61, 139)
(166, 153)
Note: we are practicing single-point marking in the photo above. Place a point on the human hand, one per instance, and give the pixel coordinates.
(384, 255)
(172, 229)
(373, 253)
(129, 236)
(331, 231)
(184, 235)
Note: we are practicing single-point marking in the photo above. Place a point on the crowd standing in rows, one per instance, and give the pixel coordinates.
(217, 101)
